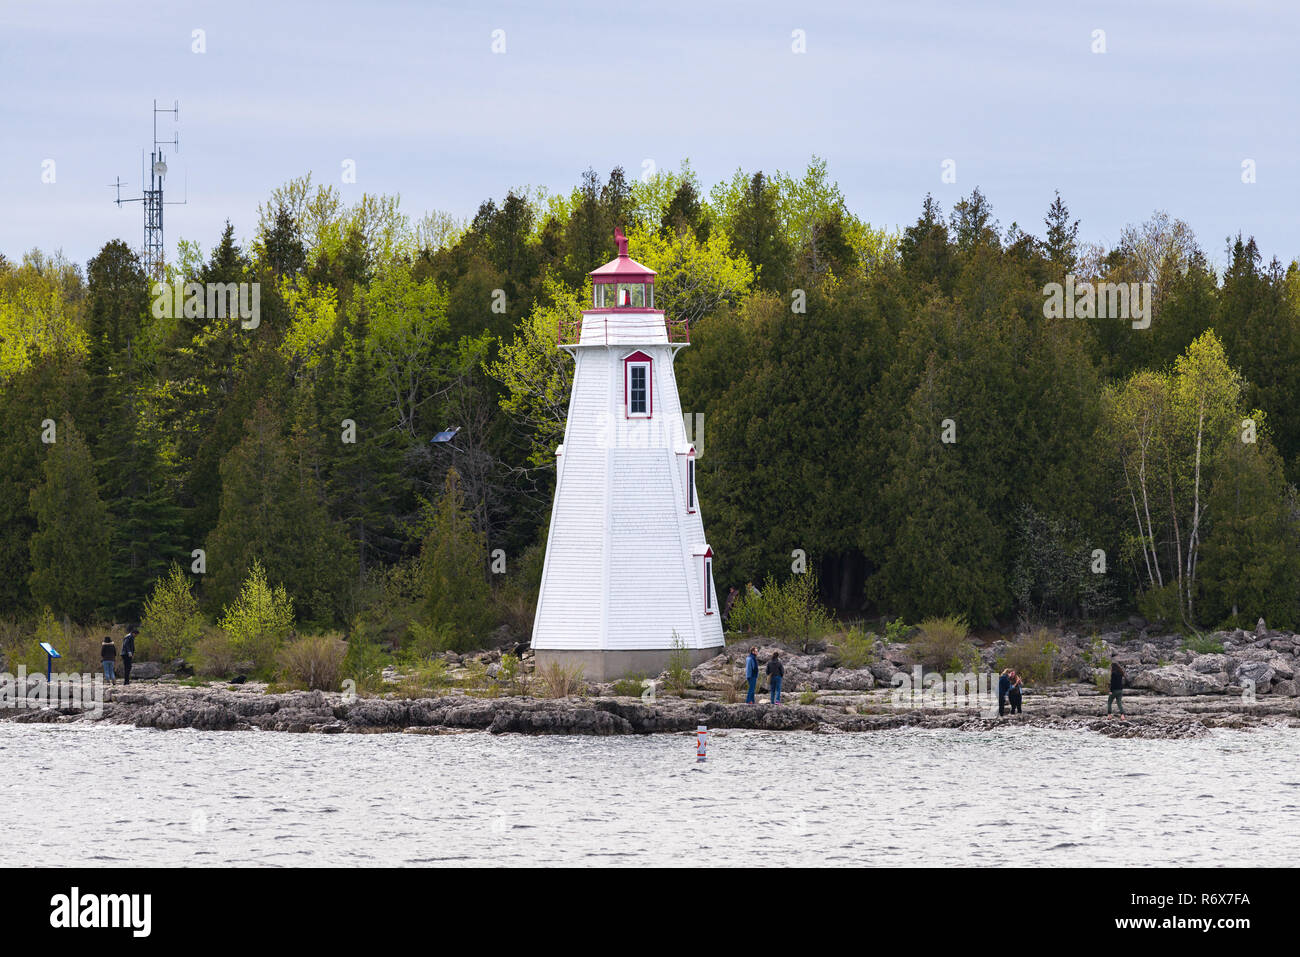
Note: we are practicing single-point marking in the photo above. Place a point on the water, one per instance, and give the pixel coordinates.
(113, 796)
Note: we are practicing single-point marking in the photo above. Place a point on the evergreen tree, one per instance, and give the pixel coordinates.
(1062, 240)
(453, 565)
(70, 546)
(1251, 556)
(271, 510)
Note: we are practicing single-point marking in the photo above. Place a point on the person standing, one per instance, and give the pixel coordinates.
(1116, 688)
(775, 672)
(751, 673)
(1004, 689)
(1014, 695)
(108, 654)
(128, 654)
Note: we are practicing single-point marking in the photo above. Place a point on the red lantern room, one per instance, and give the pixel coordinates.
(623, 283)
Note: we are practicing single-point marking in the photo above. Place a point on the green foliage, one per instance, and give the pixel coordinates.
(1095, 657)
(1203, 644)
(825, 356)
(678, 673)
(453, 567)
(941, 643)
(424, 676)
(1032, 656)
(364, 661)
(854, 648)
(896, 631)
(788, 611)
(259, 620)
(630, 686)
(271, 512)
(69, 546)
(1160, 604)
(172, 623)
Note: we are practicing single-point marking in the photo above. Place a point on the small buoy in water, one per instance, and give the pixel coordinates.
(701, 743)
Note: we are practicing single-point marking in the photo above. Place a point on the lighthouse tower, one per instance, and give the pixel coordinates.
(628, 577)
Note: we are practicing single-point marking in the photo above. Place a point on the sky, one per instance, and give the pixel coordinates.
(1011, 93)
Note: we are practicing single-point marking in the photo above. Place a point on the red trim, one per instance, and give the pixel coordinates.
(639, 357)
(708, 583)
(621, 310)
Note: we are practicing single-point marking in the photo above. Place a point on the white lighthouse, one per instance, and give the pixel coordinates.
(628, 576)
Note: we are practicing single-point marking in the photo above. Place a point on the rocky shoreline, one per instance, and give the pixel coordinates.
(167, 706)
(1176, 693)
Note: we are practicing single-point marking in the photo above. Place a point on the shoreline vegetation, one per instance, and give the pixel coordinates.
(949, 418)
(1179, 689)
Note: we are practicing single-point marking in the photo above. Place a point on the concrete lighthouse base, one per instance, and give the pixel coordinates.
(612, 665)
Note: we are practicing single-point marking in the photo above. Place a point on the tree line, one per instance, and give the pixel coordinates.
(899, 407)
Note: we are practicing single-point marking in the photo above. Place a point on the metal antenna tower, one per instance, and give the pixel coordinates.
(152, 198)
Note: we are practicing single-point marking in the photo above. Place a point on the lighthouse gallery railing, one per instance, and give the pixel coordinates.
(600, 330)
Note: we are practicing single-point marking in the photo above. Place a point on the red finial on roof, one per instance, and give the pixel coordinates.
(622, 242)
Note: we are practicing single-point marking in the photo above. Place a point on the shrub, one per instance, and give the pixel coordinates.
(896, 631)
(172, 622)
(855, 648)
(364, 661)
(1160, 604)
(512, 675)
(678, 678)
(260, 620)
(807, 696)
(1032, 656)
(790, 610)
(629, 686)
(941, 643)
(557, 681)
(315, 661)
(422, 676)
(215, 655)
(428, 640)
(1095, 657)
(1203, 644)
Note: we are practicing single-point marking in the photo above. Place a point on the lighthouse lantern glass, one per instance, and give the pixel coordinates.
(632, 295)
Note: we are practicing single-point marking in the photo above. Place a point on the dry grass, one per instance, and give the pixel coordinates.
(554, 680)
(315, 661)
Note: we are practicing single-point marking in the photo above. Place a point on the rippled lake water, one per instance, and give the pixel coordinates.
(116, 796)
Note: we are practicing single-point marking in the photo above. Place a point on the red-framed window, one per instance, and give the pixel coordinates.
(708, 582)
(638, 386)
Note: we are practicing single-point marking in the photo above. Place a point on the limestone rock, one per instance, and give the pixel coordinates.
(1179, 681)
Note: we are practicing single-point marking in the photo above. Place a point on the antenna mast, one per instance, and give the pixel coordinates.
(152, 198)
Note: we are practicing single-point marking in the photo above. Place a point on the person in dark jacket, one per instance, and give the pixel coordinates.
(108, 654)
(751, 673)
(1116, 688)
(775, 672)
(128, 654)
(1004, 689)
(1014, 695)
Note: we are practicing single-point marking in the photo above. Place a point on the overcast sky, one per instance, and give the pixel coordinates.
(1185, 91)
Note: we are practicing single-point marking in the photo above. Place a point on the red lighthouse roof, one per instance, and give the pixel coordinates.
(624, 268)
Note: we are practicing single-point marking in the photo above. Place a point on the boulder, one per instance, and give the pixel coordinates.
(884, 671)
(1283, 667)
(1180, 681)
(1211, 664)
(1289, 688)
(850, 679)
(1260, 672)
(146, 669)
